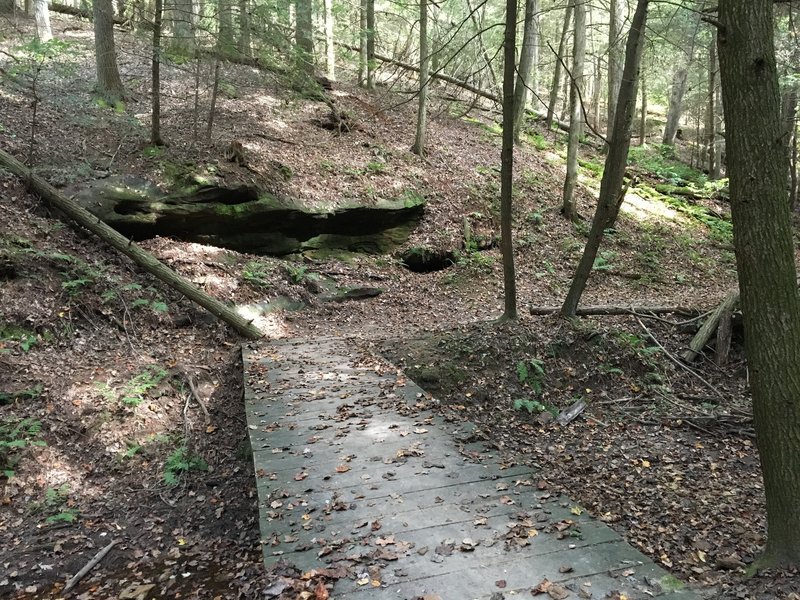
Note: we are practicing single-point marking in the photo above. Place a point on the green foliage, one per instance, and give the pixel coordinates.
(604, 262)
(256, 273)
(153, 151)
(594, 168)
(136, 389)
(16, 436)
(532, 406)
(531, 373)
(662, 162)
(376, 167)
(182, 461)
(296, 273)
(24, 339)
(54, 501)
(609, 370)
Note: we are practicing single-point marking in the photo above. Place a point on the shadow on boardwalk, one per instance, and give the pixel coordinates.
(356, 475)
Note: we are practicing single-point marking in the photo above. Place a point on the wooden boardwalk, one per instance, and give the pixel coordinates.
(353, 475)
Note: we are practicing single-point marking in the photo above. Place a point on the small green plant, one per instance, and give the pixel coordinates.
(256, 273)
(609, 370)
(19, 336)
(296, 273)
(179, 462)
(376, 167)
(54, 501)
(15, 436)
(532, 406)
(531, 373)
(136, 389)
(604, 261)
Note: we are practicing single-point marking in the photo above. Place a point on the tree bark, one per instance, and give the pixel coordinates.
(562, 47)
(507, 163)
(245, 42)
(142, 258)
(705, 332)
(424, 79)
(528, 66)
(330, 49)
(304, 36)
(711, 109)
(757, 166)
(675, 109)
(225, 38)
(568, 207)
(643, 116)
(109, 84)
(612, 192)
(155, 131)
(615, 60)
(362, 48)
(42, 16)
(370, 44)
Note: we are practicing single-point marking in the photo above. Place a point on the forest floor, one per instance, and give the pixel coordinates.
(106, 376)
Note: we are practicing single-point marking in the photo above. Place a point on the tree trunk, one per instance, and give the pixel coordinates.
(507, 163)
(183, 40)
(109, 84)
(789, 117)
(612, 192)
(245, 43)
(424, 79)
(225, 41)
(304, 36)
(615, 60)
(757, 165)
(675, 105)
(142, 258)
(711, 109)
(643, 116)
(155, 133)
(598, 81)
(42, 16)
(363, 58)
(562, 47)
(568, 208)
(527, 64)
(370, 44)
(330, 49)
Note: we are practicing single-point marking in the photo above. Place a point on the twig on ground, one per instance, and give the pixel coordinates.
(678, 362)
(196, 395)
(89, 566)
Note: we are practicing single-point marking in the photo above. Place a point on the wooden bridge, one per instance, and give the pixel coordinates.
(355, 473)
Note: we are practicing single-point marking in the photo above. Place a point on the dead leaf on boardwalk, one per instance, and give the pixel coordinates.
(565, 569)
(321, 592)
(506, 500)
(300, 476)
(501, 583)
(558, 592)
(385, 541)
(542, 587)
(376, 525)
(342, 469)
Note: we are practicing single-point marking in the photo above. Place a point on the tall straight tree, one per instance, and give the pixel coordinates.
(568, 208)
(363, 57)
(245, 43)
(225, 39)
(562, 48)
(611, 191)
(41, 14)
(711, 108)
(528, 64)
(370, 44)
(679, 81)
(424, 80)
(304, 35)
(155, 129)
(507, 163)
(109, 83)
(330, 50)
(615, 59)
(762, 232)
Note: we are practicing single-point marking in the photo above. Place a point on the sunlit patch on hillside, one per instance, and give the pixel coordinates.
(643, 209)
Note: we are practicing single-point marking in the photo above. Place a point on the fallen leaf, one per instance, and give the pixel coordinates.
(501, 583)
(321, 592)
(342, 469)
(300, 476)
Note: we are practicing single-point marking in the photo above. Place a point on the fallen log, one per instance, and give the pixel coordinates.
(704, 334)
(80, 12)
(609, 310)
(142, 258)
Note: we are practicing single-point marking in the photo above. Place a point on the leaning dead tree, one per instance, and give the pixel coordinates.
(142, 258)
